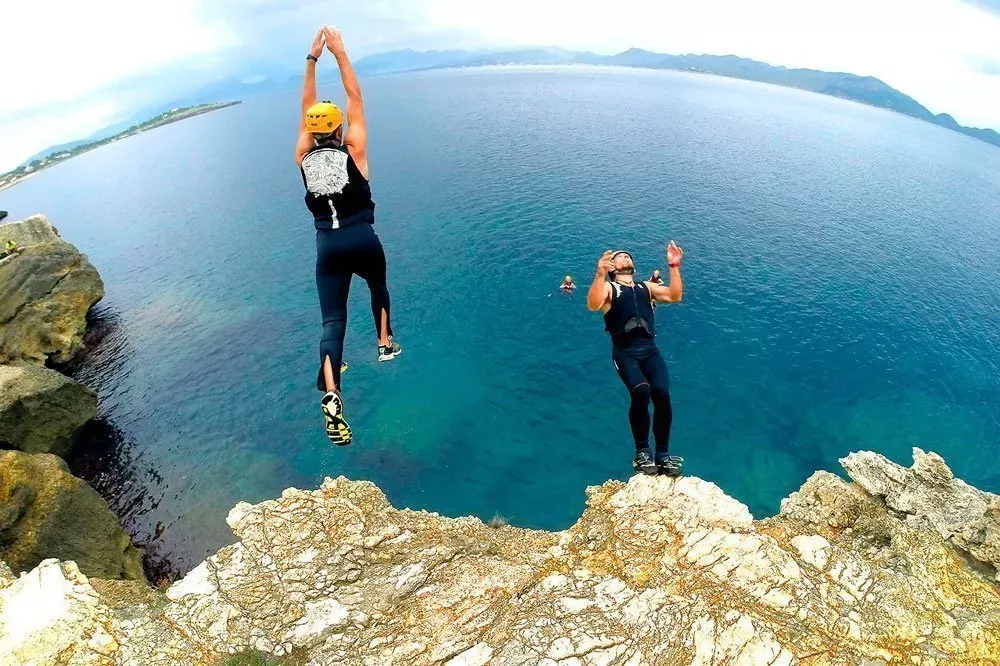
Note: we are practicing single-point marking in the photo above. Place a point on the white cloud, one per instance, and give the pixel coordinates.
(57, 53)
(77, 57)
(68, 48)
(27, 136)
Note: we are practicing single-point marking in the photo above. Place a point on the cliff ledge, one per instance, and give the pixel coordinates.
(895, 568)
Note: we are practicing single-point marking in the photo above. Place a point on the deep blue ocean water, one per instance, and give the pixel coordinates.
(841, 293)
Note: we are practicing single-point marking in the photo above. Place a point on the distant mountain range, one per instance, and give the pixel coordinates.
(864, 89)
(222, 90)
(66, 151)
(99, 135)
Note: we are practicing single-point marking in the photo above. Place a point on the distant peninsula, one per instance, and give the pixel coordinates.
(863, 89)
(68, 151)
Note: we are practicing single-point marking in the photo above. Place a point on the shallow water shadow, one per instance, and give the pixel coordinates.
(102, 456)
(103, 322)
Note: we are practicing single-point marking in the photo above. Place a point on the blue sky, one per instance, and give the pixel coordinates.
(71, 67)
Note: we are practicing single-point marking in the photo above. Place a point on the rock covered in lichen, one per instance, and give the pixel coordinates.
(656, 571)
(928, 495)
(48, 610)
(41, 409)
(56, 615)
(45, 294)
(45, 512)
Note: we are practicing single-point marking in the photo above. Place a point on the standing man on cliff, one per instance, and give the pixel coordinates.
(628, 318)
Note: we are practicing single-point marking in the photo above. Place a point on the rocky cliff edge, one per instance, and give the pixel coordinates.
(45, 294)
(898, 567)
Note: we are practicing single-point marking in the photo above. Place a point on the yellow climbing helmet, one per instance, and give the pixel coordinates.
(323, 118)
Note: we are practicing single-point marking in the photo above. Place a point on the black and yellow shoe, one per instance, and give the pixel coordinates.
(336, 427)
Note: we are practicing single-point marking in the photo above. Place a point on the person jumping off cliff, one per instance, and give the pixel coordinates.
(628, 318)
(334, 167)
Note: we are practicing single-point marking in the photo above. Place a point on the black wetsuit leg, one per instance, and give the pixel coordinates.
(340, 254)
(655, 370)
(372, 268)
(638, 414)
(644, 373)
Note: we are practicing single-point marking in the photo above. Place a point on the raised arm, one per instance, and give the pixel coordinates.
(305, 140)
(673, 290)
(599, 294)
(356, 138)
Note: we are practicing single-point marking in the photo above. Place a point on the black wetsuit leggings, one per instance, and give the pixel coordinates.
(340, 255)
(644, 373)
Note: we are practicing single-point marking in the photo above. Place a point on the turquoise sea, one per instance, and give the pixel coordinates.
(841, 293)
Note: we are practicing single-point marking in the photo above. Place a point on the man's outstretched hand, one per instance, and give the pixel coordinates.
(604, 264)
(334, 40)
(317, 48)
(674, 254)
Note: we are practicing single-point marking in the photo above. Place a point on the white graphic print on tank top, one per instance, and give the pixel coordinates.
(326, 174)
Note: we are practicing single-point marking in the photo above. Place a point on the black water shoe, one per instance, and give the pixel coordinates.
(669, 465)
(644, 463)
(389, 351)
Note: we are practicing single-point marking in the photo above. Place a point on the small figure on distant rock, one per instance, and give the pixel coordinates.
(11, 248)
(567, 285)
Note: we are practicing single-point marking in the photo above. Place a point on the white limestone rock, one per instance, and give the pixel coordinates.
(656, 571)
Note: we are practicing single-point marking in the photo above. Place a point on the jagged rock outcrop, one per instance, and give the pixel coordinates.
(44, 609)
(45, 294)
(45, 512)
(41, 409)
(929, 495)
(656, 571)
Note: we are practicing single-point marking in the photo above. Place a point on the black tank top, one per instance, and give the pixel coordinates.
(630, 319)
(336, 193)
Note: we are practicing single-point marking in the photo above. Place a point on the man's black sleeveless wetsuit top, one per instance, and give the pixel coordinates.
(630, 319)
(336, 193)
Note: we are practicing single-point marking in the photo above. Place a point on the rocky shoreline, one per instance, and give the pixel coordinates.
(46, 292)
(898, 566)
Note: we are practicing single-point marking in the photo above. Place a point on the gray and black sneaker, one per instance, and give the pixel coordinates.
(389, 351)
(336, 427)
(644, 463)
(669, 465)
